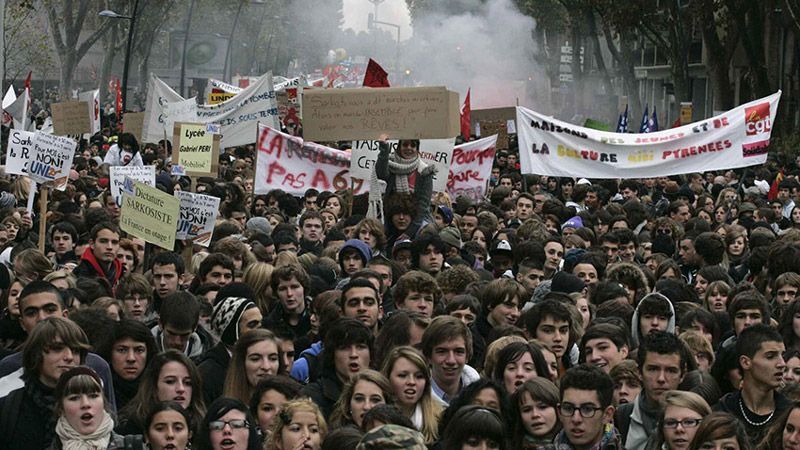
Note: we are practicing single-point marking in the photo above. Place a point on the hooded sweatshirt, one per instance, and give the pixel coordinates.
(636, 337)
(361, 246)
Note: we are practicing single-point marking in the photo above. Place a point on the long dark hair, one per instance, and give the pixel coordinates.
(513, 352)
(474, 422)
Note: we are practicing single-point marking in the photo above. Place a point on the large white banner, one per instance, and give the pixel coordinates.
(471, 168)
(279, 83)
(19, 152)
(737, 138)
(287, 162)
(238, 116)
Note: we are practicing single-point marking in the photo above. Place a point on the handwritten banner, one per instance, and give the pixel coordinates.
(402, 113)
(19, 151)
(471, 168)
(287, 162)
(437, 152)
(52, 160)
(738, 138)
(198, 214)
(149, 214)
(117, 174)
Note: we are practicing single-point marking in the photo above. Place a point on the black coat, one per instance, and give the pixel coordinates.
(325, 391)
(28, 431)
(213, 367)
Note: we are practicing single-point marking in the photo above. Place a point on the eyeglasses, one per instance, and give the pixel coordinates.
(587, 411)
(219, 425)
(685, 423)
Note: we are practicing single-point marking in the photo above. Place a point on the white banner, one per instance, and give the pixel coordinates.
(214, 84)
(117, 174)
(51, 160)
(238, 116)
(93, 99)
(197, 217)
(18, 110)
(438, 152)
(737, 138)
(471, 168)
(286, 162)
(8, 100)
(19, 152)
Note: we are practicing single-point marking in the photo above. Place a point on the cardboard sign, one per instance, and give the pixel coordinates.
(737, 138)
(437, 152)
(364, 114)
(117, 174)
(149, 214)
(500, 121)
(198, 214)
(52, 159)
(498, 127)
(196, 149)
(71, 118)
(471, 169)
(93, 100)
(19, 151)
(132, 123)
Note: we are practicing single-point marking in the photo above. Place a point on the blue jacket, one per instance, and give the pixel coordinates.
(300, 366)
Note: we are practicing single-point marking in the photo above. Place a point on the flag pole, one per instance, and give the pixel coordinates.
(42, 218)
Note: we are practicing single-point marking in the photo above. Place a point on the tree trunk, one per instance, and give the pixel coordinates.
(110, 47)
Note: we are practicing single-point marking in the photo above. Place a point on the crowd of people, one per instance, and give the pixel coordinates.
(554, 313)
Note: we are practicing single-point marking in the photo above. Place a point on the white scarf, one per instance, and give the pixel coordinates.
(72, 440)
(402, 168)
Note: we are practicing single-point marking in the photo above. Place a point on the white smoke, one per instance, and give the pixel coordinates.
(489, 49)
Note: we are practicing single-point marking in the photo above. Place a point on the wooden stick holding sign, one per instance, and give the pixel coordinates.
(42, 217)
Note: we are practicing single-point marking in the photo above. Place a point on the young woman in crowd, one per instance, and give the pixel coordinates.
(484, 392)
(715, 297)
(517, 363)
(300, 426)
(409, 376)
(363, 392)
(678, 420)
(784, 434)
(84, 416)
(720, 431)
(168, 427)
(170, 376)
(255, 357)
(475, 427)
(536, 420)
(228, 426)
(270, 395)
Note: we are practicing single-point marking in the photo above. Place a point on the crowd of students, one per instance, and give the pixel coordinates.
(554, 313)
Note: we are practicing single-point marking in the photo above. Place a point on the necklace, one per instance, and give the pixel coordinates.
(741, 408)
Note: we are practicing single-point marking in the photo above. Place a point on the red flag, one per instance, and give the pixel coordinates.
(93, 73)
(465, 117)
(28, 81)
(677, 123)
(773, 190)
(119, 102)
(375, 76)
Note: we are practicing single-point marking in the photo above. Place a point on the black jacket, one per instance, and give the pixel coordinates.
(325, 391)
(730, 403)
(28, 430)
(213, 366)
(277, 316)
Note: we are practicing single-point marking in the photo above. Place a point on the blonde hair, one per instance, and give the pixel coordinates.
(61, 275)
(195, 262)
(698, 343)
(258, 276)
(341, 414)
(431, 408)
(442, 199)
(285, 415)
(679, 399)
(285, 259)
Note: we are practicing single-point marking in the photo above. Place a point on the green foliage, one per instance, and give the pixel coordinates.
(26, 45)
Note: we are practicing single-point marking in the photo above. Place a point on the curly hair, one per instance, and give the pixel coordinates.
(456, 279)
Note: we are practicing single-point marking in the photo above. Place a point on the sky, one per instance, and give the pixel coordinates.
(392, 11)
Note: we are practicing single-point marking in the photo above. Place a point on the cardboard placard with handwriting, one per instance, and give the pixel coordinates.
(365, 114)
(133, 123)
(196, 148)
(71, 118)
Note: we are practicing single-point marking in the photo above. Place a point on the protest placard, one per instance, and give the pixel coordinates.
(363, 114)
(132, 123)
(498, 121)
(286, 162)
(51, 160)
(117, 174)
(149, 214)
(738, 138)
(198, 215)
(196, 149)
(471, 169)
(92, 98)
(437, 152)
(19, 151)
(219, 97)
(238, 116)
(71, 118)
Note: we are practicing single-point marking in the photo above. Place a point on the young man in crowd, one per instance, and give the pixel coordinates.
(416, 291)
(177, 325)
(360, 300)
(662, 360)
(168, 276)
(100, 259)
(217, 269)
(354, 256)
(605, 345)
(530, 272)
(290, 284)
(427, 253)
(654, 312)
(447, 345)
(311, 224)
(64, 237)
(551, 323)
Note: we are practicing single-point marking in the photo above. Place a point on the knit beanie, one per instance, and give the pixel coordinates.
(225, 320)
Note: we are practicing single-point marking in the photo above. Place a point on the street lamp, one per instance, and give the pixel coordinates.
(112, 15)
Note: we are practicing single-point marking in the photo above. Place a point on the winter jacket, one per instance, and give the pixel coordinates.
(90, 268)
(300, 368)
(194, 349)
(325, 392)
(732, 403)
(636, 423)
(213, 367)
(277, 316)
(118, 157)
